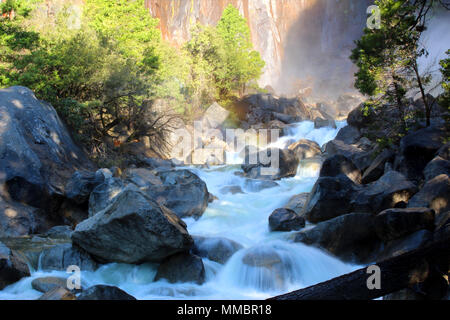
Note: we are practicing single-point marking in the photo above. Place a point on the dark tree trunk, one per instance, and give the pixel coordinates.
(396, 274)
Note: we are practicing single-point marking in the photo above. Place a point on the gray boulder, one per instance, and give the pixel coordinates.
(215, 249)
(305, 149)
(392, 224)
(81, 184)
(104, 194)
(376, 169)
(61, 256)
(181, 191)
(59, 232)
(405, 244)
(46, 284)
(329, 198)
(38, 155)
(285, 165)
(349, 135)
(389, 191)
(297, 202)
(102, 292)
(339, 164)
(134, 229)
(360, 157)
(12, 267)
(435, 194)
(436, 167)
(351, 237)
(285, 220)
(182, 267)
(417, 149)
(323, 123)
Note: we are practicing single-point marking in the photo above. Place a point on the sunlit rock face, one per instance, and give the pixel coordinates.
(294, 37)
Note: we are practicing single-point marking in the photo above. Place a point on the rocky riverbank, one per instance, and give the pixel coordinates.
(368, 204)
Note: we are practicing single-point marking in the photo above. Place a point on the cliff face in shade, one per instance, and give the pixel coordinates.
(298, 39)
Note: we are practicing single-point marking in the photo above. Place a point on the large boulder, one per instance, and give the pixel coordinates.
(349, 135)
(215, 249)
(330, 197)
(338, 164)
(182, 267)
(38, 155)
(12, 267)
(297, 202)
(351, 237)
(46, 284)
(405, 244)
(104, 194)
(361, 116)
(58, 293)
(61, 256)
(102, 292)
(376, 169)
(81, 184)
(181, 191)
(390, 191)
(392, 224)
(285, 220)
(17, 219)
(133, 229)
(323, 123)
(360, 157)
(214, 116)
(417, 149)
(435, 194)
(305, 149)
(278, 163)
(436, 167)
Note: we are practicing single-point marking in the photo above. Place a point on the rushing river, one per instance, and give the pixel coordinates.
(239, 217)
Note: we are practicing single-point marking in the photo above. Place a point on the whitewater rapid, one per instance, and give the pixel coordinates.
(239, 217)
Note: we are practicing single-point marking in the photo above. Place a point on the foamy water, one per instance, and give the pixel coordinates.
(239, 217)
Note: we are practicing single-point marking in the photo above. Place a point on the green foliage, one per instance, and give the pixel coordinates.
(387, 57)
(223, 60)
(445, 70)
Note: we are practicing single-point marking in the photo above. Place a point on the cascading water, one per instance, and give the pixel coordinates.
(269, 264)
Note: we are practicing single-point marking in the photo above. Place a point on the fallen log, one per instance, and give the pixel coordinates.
(396, 273)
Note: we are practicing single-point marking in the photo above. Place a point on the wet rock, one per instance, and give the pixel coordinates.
(392, 224)
(436, 167)
(18, 219)
(417, 149)
(305, 149)
(81, 184)
(212, 198)
(330, 197)
(142, 177)
(59, 232)
(12, 267)
(102, 292)
(361, 158)
(58, 293)
(104, 194)
(435, 194)
(46, 284)
(258, 185)
(133, 229)
(351, 237)
(297, 202)
(285, 220)
(349, 135)
(377, 168)
(405, 244)
(182, 267)
(337, 165)
(39, 156)
(61, 256)
(215, 249)
(387, 192)
(181, 191)
(323, 123)
(271, 164)
(231, 190)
